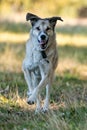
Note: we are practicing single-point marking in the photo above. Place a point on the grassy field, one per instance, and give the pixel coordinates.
(68, 109)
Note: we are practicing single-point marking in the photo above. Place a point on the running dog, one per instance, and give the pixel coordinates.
(41, 59)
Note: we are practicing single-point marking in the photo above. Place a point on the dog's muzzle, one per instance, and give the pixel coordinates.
(43, 40)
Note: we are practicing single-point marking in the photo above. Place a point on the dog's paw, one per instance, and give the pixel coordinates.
(44, 110)
(45, 107)
(33, 97)
(31, 100)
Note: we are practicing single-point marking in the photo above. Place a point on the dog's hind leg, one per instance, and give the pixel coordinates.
(36, 80)
(45, 108)
(38, 104)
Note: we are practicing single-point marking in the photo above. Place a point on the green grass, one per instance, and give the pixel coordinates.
(14, 27)
(24, 27)
(68, 109)
(78, 54)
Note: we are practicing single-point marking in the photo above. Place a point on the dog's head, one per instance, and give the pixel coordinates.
(42, 29)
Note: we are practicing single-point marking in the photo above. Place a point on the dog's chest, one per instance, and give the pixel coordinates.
(37, 56)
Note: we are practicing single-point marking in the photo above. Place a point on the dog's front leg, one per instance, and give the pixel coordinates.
(36, 91)
(27, 76)
(27, 70)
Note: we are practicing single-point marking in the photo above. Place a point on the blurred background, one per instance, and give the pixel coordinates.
(65, 8)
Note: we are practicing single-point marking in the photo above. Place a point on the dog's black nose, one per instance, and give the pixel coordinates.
(43, 37)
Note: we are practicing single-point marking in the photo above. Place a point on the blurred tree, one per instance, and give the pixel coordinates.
(82, 12)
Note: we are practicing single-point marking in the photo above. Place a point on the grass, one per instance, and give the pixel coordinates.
(68, 108)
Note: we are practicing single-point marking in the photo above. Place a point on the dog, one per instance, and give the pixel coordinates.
(41, 59)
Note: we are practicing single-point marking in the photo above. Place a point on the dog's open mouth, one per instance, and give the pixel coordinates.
(43, 44)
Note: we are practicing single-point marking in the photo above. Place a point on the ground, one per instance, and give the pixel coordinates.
(68, 104)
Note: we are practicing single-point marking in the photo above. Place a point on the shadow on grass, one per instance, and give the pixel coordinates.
(73, 30)
(14, 27)
(25, 27)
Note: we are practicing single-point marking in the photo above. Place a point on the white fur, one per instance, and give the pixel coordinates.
(38, 72)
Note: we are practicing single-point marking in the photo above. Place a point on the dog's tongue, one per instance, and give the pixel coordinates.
(42, 42)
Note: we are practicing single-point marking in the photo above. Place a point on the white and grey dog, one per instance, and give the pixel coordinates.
(41, 58)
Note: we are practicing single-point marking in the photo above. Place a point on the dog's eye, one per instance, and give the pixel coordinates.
(48, 28)
(38, 28)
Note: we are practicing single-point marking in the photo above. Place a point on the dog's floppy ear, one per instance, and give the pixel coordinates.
(53, 20)
(33, 18)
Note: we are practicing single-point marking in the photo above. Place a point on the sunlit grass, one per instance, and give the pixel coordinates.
(62, 39)
(15, 38)
(76, 40)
